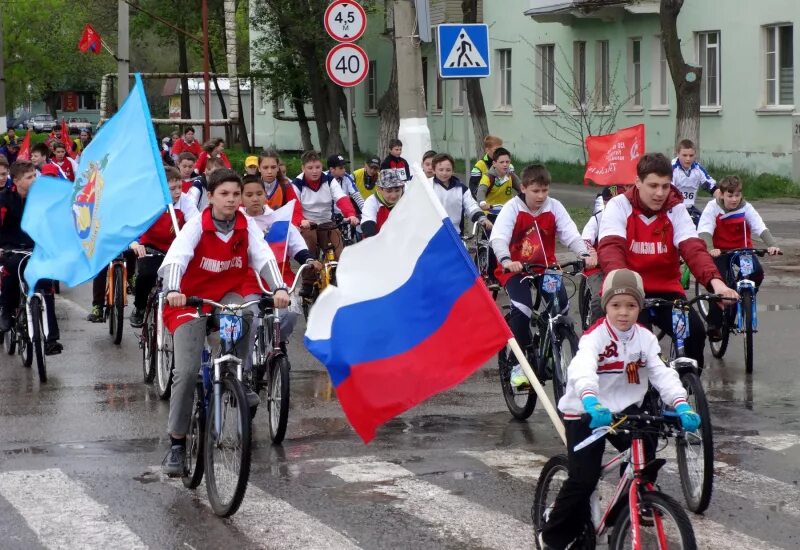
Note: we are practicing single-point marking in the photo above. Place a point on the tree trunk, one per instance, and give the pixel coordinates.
(302, 120)
(318, 97)
(183, 67)
(244, 139)
(220, 96)
(477, 109)
(389, 111)
(345, 114)
(685, 77)
(335, 144)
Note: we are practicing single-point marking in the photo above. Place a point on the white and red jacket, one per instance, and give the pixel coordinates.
(652, 243)
(374, 215)
(521, 235)
(161, 234)
(616, 368)
(319, 197)
(732, 229)
(204, 262)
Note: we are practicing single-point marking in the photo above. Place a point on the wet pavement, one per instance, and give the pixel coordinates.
(80, 455)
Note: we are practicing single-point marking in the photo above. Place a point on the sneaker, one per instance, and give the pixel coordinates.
(96, 316)
(518, 378)
(253, 400)
(540, 542)
(174, 464)
(137, 317)
(53, 347)
(5, 320)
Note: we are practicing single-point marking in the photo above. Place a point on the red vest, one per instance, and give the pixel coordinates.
(162, 232)
(652, 253)
(533, 240)
(186, 185)
(217, 268)
(732, 232)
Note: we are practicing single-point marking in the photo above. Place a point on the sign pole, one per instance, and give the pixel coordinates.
(349, 94)
(465, 111)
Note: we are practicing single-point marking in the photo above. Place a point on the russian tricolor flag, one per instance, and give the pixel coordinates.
(278, 233)
(410, 316)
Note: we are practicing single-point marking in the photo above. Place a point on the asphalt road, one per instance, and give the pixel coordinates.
(80, 455)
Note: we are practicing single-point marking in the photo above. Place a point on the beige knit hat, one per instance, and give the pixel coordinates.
(622, 281)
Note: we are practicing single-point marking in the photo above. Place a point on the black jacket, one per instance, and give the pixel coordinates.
(12, 206)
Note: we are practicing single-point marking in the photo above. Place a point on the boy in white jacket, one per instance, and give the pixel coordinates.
(616, 360)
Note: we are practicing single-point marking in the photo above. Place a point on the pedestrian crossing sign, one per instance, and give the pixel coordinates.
(463, 51)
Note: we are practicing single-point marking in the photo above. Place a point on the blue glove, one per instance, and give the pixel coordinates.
(601, 416)
(690, 420)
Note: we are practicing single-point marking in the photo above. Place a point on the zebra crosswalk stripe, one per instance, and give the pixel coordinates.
(62, 514)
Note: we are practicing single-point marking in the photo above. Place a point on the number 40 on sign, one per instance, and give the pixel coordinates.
(347, 65)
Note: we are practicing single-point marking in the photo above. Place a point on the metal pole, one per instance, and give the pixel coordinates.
(206, 91)
(465, 111)
(123, 67)
(252, 113)
(349, 95)
(2, 78)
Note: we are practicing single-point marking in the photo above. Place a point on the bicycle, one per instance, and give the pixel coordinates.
(218, 445)
(744, 319)
(553, 345)
(350, 234)
(116, 297)
(695, 450)
(325, 277)
(271, 365)
(148, 337)
(638, 515)
(29, 329)
(482, 253)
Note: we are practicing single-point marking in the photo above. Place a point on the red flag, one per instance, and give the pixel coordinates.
(25, 147)
(613, 157)
(90, 40)
(65, 138)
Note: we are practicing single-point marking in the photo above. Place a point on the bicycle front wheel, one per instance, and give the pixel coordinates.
(10, 341)
(565, 346)
(747, 317)
(584, 303)
(149, 343)
(37, 338)
(695, 450)
(165, 361)
(661, 520)
(520, 402)
(24, 342)
(115, 316)
(195, 442)
(227, 453)
(278, 400)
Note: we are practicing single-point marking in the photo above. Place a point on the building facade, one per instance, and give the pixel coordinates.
(555, 61)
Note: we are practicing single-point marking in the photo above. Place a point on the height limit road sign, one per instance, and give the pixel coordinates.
(347, 65)
(345, 21)
(463, 51)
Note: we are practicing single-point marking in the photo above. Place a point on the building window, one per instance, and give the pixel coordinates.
(779, 59)
(504, 78)
(371, 90)
(439, 93)
(635, 72)
(458, 95)
(661, 76)
(579, 74)
(602, 75)
(87, 101)
(425, 81)
(546, 75)
(708, 57)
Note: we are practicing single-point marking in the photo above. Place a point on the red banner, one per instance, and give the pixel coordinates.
(25, 147)
(90, 40)
(66, 139)
(69, 102)
(613, 157)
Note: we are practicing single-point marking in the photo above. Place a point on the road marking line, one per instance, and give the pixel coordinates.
(776, 442)
(514, 462)
(270, 522)
(451, 515)
(61, 514)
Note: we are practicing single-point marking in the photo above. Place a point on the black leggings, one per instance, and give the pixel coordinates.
(519, 292)
(99, 281)
(146, 277)
(723, 262)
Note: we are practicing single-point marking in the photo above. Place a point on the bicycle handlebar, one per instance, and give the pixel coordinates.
(11, 251)
(683, 302)
(578, 266)
(196, 301)
(626, 419)
(760, 252)
(297, 278)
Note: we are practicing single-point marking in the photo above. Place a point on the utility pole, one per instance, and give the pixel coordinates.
(206, 91)
(414, 131)
(2, 77)
(123, 52)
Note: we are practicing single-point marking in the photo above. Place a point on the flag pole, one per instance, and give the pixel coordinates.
(174, 218)
(537, 387)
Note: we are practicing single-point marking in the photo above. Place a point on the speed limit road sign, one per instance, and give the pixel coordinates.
(347, 65)
(345, 20)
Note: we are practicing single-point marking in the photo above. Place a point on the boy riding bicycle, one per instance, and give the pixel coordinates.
(689, 176)
(727, 223)
(616, 361)
(525, 232)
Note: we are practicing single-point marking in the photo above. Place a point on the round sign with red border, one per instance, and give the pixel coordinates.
(347, 65)
(345, 20)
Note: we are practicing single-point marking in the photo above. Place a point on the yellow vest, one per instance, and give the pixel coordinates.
(500, 191)
(360, 176)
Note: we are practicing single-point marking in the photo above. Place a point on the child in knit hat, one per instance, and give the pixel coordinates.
(616, 361)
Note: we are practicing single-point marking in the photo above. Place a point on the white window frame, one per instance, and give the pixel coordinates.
(707, 51)
(545, 77)
(579, 75)
(659, 92)
(635, 73)
(772, 48)
(504, 79)
(371, 88)
(602, 75)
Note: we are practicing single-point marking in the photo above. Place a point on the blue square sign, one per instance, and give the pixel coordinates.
(463, 51)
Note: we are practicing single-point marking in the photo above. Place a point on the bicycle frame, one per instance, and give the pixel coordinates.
(110, 280)
(744, 260)
(25, 300)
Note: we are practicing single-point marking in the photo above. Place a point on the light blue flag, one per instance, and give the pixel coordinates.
(119, 190)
